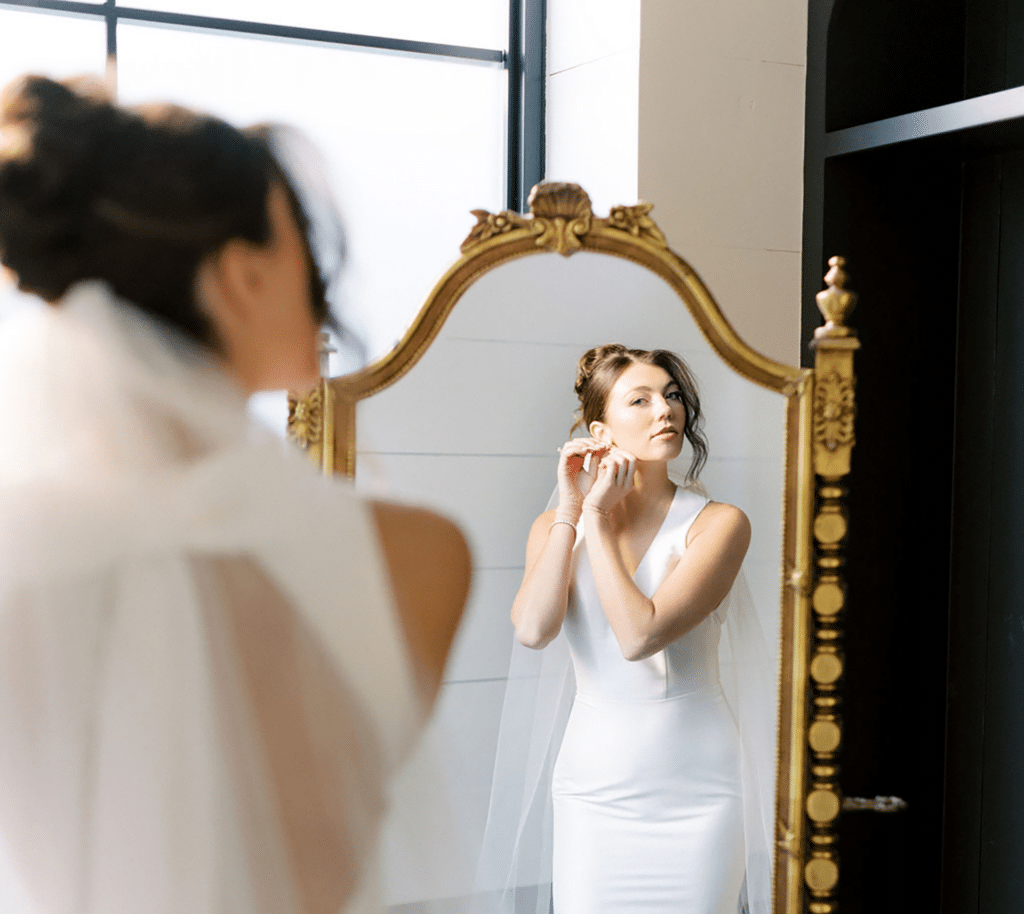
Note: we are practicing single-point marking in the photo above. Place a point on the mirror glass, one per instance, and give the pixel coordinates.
(473, 430)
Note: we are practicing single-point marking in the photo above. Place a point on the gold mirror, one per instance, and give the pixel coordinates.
(466, 414)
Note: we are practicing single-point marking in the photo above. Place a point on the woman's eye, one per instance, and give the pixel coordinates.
(674, 395)
(638, 402)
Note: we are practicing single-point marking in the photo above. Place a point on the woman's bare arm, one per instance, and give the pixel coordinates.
(539, 607)
(700, 580)
(429, 566)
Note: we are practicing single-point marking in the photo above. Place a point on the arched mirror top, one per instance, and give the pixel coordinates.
(561, 221)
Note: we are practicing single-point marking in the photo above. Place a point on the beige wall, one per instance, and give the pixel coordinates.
(593, 71)
(720, 152)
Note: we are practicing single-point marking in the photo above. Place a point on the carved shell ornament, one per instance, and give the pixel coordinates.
(560, 218)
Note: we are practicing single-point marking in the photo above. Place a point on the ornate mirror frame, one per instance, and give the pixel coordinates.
(818, 442)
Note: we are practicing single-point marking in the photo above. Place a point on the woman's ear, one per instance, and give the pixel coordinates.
(228, 285)
(600, 432)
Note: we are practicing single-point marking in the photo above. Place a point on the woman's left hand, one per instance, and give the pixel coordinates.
(614, 480)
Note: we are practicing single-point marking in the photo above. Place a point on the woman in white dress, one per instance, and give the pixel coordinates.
(647, 786)
(212, 658)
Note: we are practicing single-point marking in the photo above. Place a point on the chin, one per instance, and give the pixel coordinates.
(662, 451)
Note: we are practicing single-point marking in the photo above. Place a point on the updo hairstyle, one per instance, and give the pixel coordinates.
(598, 370)
(136, 197)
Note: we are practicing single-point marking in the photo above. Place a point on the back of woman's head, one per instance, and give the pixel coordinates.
(138, 198)
(598, 370)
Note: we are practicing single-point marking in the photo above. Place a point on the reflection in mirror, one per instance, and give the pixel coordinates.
(473, 430)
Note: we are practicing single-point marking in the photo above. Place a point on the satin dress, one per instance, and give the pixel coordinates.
(647, 796)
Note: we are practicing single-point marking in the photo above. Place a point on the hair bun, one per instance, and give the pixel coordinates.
(51, 169)
(589, 362)
(39, 99)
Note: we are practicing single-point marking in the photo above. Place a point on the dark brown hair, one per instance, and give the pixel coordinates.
(598, 370)
(136, 197)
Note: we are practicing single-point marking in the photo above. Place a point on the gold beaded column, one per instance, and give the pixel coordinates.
(834, 407)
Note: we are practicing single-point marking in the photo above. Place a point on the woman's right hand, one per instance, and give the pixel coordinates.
(573, 480)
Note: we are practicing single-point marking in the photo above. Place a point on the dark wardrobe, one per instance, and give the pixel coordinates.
(914, 171)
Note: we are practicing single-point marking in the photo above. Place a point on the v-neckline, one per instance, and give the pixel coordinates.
(657, 533)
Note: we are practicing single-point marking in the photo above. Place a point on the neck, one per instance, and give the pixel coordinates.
(651, 487)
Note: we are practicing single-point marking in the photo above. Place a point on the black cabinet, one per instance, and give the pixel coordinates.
(915, 172)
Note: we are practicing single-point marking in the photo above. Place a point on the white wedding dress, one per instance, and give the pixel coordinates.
(184, 601)
(647, 787)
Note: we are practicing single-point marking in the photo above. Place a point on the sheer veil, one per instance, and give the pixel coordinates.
(515, 862)
(153, 541)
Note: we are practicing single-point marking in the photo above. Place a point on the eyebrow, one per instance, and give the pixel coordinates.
(643, 388)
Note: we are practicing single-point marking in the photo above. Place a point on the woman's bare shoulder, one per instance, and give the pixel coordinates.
(428, 562)
(413, 524)
(722, 520)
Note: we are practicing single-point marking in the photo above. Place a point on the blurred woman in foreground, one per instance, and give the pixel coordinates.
(212, 659)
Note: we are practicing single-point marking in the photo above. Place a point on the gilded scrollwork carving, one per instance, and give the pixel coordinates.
(311, 424)
(306, 418)
(834, 411)
(561, 217)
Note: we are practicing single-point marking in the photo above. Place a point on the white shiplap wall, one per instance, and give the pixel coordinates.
(473, 430)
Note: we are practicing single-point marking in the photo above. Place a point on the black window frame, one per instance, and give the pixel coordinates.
(524, 60)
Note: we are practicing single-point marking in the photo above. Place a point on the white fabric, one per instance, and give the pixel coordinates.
(148, 529)
(663, 782)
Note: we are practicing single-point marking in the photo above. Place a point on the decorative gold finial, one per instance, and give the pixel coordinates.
(835, 302)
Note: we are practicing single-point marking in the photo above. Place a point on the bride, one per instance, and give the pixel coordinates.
(213, 660)
(648, 790)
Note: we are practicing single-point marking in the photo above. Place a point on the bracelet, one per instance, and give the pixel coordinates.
(562, 520)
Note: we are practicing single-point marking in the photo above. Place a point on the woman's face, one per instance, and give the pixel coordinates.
(644, 414)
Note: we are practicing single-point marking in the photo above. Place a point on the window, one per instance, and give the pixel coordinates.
(418, 108)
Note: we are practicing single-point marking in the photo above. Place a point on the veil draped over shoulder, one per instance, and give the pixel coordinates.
(189, 614)
(515, 863)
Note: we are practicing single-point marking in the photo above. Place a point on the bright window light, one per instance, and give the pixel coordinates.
(478, 23)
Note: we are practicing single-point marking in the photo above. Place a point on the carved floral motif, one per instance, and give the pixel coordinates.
(306, 418)
(833, 411)
(490, 224)
(560, 216)
(636, 221)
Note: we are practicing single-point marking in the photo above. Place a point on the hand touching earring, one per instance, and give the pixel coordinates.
(576, 474)
(615, 475)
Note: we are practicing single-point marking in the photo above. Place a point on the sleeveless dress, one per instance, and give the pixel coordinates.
(647, 788)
